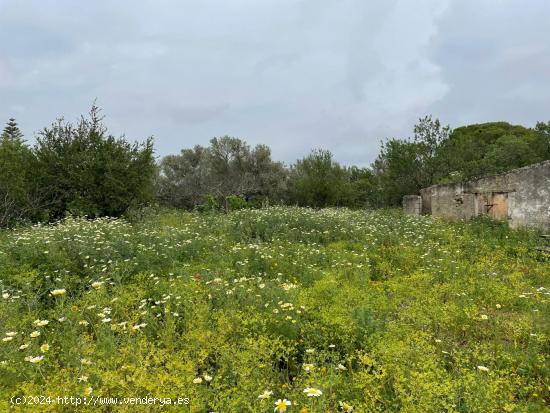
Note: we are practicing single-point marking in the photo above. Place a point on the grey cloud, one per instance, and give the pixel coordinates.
(195, 114)
(495, 59)
(292, 74)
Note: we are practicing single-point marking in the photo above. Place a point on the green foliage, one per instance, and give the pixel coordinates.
(509, 152)
(381, 311)
(12, 132)
(82, 170)
(405, 166)
(225, 168)
(438, 155)
(397, 170)
(475, 151)
(230, 203)
(85, 171)
(318, 181)
(429, 136)
(365, 189)
(17, 177)
(543, 138)
(75, 169)
(211, 204)
(234, 202)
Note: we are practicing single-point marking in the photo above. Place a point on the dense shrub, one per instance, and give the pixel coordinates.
(18, 189)
(86, 171)
(227, 167)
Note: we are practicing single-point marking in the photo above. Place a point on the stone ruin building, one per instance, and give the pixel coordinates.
(520, 197)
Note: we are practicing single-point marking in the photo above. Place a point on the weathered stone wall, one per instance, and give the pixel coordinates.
(412, 204)
(448, 201)
(521, 197)
(529, 196)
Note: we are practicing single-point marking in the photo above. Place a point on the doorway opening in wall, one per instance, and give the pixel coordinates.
(493, 204)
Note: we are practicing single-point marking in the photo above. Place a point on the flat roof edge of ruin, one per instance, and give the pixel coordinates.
(472, 181)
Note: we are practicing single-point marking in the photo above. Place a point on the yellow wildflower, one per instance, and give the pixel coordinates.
(346, 407)
(312, 392)
(282, 405)
(266, 394)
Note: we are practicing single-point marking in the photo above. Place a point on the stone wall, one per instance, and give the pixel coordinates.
(412, 204)
(521, 197)
(449, 201)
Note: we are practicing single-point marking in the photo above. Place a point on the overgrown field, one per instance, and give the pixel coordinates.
(330, 310)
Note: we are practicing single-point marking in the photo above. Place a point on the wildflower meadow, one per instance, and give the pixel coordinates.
(280, 309)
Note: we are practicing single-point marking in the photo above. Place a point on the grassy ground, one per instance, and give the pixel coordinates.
(370, 311)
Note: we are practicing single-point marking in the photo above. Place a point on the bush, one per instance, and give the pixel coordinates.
(211, 204)
(86, 171)
(234, 202)
(17, 169)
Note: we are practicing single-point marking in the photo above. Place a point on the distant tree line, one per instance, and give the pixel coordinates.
(435, 154)
(81, 169)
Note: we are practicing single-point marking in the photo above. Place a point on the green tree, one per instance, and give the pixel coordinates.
(86, 171)
(399, 170)
(318, 181)
(543, 138)
(12, 131)
(404, 166)
(17, 165)
(430, 135)
(183, 178)
(365, 189)
(509, 152)
(226, 169)
(475, 151)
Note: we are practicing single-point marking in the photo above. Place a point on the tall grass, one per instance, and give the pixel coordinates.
(379, 311)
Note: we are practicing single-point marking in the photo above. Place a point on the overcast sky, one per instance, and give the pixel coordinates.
(293, 74)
